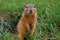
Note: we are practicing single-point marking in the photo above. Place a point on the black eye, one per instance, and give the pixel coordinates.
(26, 7)
(34, 6)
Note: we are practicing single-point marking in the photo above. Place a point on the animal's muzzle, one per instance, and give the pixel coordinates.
(31, 11)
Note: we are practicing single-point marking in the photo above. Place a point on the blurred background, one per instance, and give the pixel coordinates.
(48, 25)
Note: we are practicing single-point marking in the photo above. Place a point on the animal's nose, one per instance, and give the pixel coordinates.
(31, 11)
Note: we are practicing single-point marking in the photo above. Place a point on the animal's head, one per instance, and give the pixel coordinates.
(30, 9)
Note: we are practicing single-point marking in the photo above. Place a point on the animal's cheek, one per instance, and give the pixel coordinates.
(26, 10)
(35, 10)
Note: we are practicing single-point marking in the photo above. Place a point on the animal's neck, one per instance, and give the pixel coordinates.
(26, 15)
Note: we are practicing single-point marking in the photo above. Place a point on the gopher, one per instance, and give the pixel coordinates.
(27, 22)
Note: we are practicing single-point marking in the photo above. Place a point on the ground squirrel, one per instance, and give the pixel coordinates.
(27, 22)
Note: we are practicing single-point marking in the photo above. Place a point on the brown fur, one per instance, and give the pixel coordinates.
(27, 23)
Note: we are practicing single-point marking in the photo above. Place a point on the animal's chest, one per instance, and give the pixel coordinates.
(30, 20)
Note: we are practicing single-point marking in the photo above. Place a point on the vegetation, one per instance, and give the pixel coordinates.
(48, 25)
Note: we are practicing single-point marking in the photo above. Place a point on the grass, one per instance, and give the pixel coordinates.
(48, 25)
